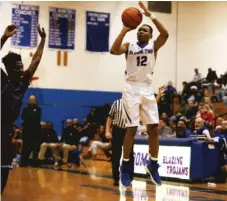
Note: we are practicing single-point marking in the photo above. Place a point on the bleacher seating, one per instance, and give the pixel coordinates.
(220, 108)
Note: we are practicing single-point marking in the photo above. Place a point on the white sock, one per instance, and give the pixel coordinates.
(126, 160)
(153, 159)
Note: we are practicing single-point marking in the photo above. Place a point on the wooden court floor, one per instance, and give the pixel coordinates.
(94, 183)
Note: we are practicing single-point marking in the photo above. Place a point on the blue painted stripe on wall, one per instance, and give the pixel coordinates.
(46, 96)
(58, 104)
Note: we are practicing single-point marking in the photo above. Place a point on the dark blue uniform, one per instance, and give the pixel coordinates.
(11, 100)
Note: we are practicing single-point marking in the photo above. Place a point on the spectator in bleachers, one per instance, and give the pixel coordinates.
(224, 96)
(217, 97)
(200, 128)
(172, 126)
(102, 143)
(224, 93)
(223, 130)
(185, 92)
(222, 80)
(85, 132)
(69, 140)
(171, 89)
(200, 107)
(163, 129)
(92, 116)
(197, 76)
(179, 113)
(31, 116)
(207, 115)
(43, 127)
(164, 103)
(182, 131)
(208, 102)
(49, 141)
(76, 124)
(218, 129)
(191, 111)
(194, 95)
(164, 116)
(191, 124)
(219, 121)
(211, 76)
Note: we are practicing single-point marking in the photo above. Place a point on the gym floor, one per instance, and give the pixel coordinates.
(94, 183)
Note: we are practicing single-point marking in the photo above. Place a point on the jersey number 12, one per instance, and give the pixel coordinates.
(141, 61)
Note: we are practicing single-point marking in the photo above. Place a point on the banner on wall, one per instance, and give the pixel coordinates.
(174, 161)
(62, 28)
(97, 31)
(26, 18)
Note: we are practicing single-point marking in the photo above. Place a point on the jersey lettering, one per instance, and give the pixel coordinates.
(142, 61)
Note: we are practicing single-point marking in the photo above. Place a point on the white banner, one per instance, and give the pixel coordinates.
(175, 161)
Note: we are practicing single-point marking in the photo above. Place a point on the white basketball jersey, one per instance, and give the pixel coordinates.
(140, 63)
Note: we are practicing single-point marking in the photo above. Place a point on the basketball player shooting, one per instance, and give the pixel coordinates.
(138, 96)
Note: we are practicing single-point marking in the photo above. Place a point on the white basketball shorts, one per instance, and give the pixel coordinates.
(139, 104)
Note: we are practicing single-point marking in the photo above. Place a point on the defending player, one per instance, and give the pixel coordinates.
(14, 87)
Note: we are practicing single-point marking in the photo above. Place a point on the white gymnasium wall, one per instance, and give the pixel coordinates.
(202, 43)
(197, 30)
(89, 70)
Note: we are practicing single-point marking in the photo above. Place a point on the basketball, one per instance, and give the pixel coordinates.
(131, 17)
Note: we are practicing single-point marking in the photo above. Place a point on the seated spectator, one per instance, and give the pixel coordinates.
(182, 110)
(69, 140)
(49, 141)
(182, 131)
(194, 95)
(217, 97)
(197, 76)
(163, 129)
(191, 124)
(185, 92)
(211, 76)
(17, 140)
(164, 116)
(172, 126)
(76, 124)
(224, 96)
(102, 143)
(200, 128)
(191, 111)
(84, 132)
(218, 129)
(207, 115)
(170, 89)
(219, 121)
(179, 113)
(164, 103)
(208, 102)
(200, 108)
(92, 116)
(223, 131)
